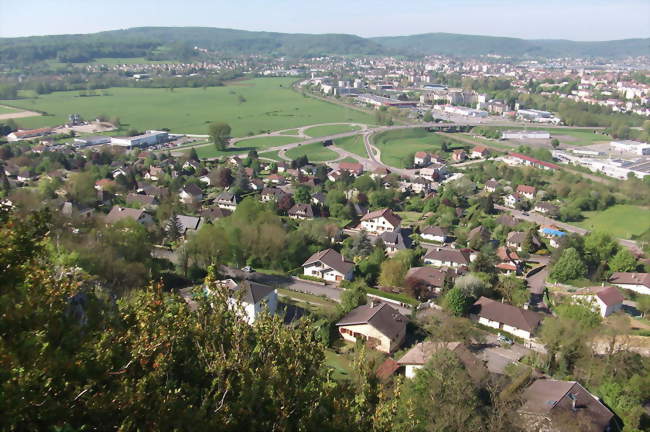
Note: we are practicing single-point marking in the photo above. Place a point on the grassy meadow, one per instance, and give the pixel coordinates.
(315, 152)
(621, 221)
(353, 144)
(250, 107)
(398, 146)
(319, 131)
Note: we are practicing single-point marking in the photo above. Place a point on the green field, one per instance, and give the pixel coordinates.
(319, 131)
(566, 136)
(621, 221)
(315, 152)
(273, 154)
(398, 146)
(264, 143)
(290, 132)
(353, 144)
(270, 104)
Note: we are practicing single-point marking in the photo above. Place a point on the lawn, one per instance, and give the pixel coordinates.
(621, 221)
(353, 144)
(319, 131)
(290, 132)
(315, 152)
(250, 107)
(273, 154)
(410, 218)
(264, 143)
(397, 147)
(7, 110)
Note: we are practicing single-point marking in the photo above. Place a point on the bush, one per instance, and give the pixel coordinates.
(311, 278)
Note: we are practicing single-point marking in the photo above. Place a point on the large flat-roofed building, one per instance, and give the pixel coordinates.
(522, 134)
(384, 101)
(148, 139)
(628, 146)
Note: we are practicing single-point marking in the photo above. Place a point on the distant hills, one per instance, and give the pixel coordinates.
(177, 43)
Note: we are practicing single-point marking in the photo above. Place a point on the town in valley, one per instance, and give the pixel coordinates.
(211, 229)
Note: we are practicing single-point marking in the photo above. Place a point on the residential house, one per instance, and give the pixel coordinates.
(396, 241)
(509, 261)
(546, 208)
(637, 282)
(507, 220)
(276, 179)
(354, 168)
(435, 233)
(479, 152)
(549, 404)
(516, 240)
(378, 324)
(511, 200)
(492, 185)
(103, 184)
(608, 300)
(146, 201)
(226, 200)
(479, 234)
(553, 234)
(527, 192)
(379, 221)
(511, 319)
(433, 172)
(301, 211)
(27, 134)
(380, 172)
(459, 155)
(191, 194)
(447, 257)
(318, 198)
(520, 159)
(213, 213)
(118, 213)
(189, 224)
(154, 173)
(272, 194)
(71, 209)
(428, 279)
(329, 265)
(253, 297)
(418, 356)
(421, 159)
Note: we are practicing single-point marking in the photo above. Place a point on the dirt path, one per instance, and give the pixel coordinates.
(18, 114)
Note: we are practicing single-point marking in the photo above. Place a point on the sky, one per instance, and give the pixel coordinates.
(584, 20)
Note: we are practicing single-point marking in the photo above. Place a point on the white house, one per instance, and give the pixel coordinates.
(447, 257)
(511, 200)
(421, 353)
(252, 297)
(329, 265)
(380, 220)
(503, 316)
(421, 159)
(191, 194)
(226, 200)
(607, 301)
(435, 234)
(381, 326)
(638, 282)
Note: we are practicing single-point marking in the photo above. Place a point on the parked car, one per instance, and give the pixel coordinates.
(248, 269)
(504, 339)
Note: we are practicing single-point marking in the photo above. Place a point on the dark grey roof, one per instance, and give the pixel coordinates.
(546, 397)
(332, 259)
(381, 316)
(507, 314)
(399, 238)
(251, 292)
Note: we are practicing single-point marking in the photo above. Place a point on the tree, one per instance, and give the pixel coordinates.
(393, 272)
(428, 117)
(223, 177)
(643, 304)
(219, 134)
(441, 397)
(528, 245)
(174, 228)
(353, 296)
(555, 143)
(472, 286)
(81, 188)
(193, 155)
(457, 302)
(512, 289)
(623, 261)
(361, 245)
(569, 267)
(302, 195)
(484, 262)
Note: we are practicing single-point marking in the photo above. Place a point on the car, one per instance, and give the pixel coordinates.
(248, 269)
(504, 339)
